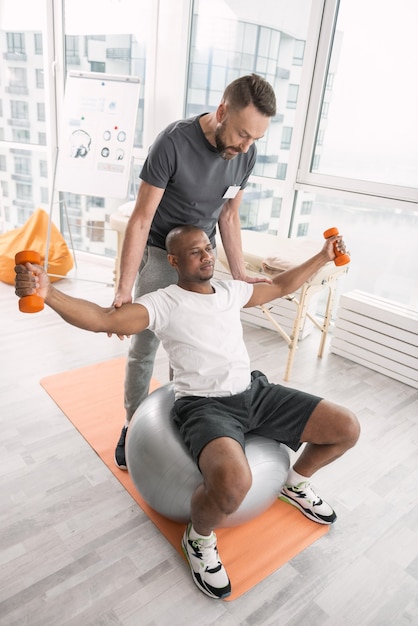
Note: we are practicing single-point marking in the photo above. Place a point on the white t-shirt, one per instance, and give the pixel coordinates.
(202, 334)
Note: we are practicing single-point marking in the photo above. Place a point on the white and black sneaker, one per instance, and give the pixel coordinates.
(208, 572)
(308, 502)
(120, 459)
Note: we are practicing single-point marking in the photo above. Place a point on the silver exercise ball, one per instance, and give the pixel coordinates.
(165, 475)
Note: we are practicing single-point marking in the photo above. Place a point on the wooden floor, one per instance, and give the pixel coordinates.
(76, 549)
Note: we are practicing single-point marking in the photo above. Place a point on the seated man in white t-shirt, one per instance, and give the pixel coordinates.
(218, 398)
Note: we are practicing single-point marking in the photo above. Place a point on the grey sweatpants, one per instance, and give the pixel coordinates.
(155, 272)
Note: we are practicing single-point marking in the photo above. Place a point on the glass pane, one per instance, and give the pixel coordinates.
(233, 40)
(109, 37)
(368, 128)
(22, 87)
(382, 242)
(24, 183)
(261, 208)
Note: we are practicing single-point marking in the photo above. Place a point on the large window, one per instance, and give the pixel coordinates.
(341, 151)
(22, 110)
(111, 39)
(369, 125)
(360, 154)
(381, 240)
(230, 39)
(103, 36)
(362, 125)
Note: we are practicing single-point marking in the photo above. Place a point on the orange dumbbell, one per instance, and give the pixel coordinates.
(32, 303)
(340, 257)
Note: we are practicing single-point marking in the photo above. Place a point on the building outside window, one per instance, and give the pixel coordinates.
(39, 74)
(229, 40)
(109, 42)
(17, 80)
(342, 149)
(15, 44)
(97, 36)
(23, 165)
(38, 43)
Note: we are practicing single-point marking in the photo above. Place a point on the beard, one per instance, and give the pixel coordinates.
(226, 152)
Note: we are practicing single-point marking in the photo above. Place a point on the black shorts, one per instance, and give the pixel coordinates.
(265, 409)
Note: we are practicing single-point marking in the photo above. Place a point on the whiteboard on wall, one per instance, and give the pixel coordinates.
(97, 134)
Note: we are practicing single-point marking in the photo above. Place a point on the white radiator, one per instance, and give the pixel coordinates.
(379, 334)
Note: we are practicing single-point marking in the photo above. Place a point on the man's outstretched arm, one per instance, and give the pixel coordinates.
(289, 281)
(127, 320)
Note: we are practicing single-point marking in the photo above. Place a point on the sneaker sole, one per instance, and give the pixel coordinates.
(196, 580)
(306, 512)
(121, 467)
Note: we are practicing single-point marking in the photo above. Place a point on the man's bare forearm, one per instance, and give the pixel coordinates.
(77, 312)
(289, 281)
(230, 230)
(136, 236)
(132, 252)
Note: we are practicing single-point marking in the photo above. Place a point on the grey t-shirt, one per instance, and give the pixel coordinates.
(194, 176)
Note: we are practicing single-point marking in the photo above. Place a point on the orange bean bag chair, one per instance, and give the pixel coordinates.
(32, 236)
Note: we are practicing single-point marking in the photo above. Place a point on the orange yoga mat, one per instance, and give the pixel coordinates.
(92, 399)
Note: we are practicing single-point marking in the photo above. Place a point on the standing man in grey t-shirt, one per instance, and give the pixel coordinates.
(195, 173)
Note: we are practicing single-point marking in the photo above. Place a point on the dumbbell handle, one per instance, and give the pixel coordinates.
(341, 258)
(32, 303)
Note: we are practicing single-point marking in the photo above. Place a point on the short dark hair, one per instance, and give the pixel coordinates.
(251, 89)
(176, 234)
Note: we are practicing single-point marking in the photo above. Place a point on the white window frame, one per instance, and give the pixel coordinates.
(312, 181)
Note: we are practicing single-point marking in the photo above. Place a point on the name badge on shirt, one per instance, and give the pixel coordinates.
(232, 191)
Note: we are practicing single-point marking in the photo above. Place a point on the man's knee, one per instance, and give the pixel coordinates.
(352, 428)
(331, 423)
(230, 486)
